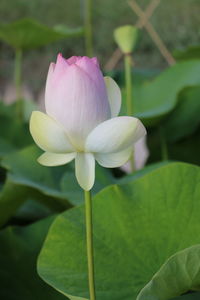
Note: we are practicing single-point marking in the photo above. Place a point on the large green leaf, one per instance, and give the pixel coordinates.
(139, 173)
(28, 34)
(137, 227)
(154, 99)
(18, 254)
(179, 274)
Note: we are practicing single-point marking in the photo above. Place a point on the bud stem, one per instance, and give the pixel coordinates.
(89, 240)
(128, 82)
(129, 100)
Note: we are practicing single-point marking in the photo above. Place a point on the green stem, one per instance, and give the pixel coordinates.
(89, 239)
(164, 149)
(18, 81)
(88, 28)
(128, 83)
(129, 101)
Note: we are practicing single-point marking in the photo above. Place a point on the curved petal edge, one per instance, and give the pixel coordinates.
(55, 159)
(114, 160)
(115, 135)
(48, 134)
(114, 96)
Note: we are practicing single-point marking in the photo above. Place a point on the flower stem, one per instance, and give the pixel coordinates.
(88, 28)
(18, 82)
(128, 82)
(129, 102)
(89, 239)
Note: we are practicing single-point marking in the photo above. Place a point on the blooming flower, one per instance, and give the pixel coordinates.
(81, 120)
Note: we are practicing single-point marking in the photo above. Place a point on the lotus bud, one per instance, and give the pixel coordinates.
(81, 120)
(125, 37)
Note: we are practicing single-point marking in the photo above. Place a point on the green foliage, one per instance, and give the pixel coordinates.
(180, 129)
(189, 296)
(186, 149)
(13, 195)
(178, 17)
(15, 134)
(143, 224)
(142, 172)
(137, 227)
(27, 180)
(192, 52)
(184, 119)
(154, 100)
(28, 34)
(179, 274)
(169, 106)
(55, 188)
(18, 254)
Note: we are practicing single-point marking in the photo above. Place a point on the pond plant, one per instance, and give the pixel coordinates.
(81, 123)
(73, 224)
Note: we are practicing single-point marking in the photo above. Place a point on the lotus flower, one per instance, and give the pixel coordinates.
(81, 120)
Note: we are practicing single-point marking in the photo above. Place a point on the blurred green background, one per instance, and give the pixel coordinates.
(176, 21)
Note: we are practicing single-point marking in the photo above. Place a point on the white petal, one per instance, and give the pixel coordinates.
(85, 170)
(55, 159)
(48, 134)
(114, 160)
(114, 96)
(115, 135)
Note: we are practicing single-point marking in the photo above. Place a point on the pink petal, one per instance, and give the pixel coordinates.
(95, 61)
(60, 66)
(77, 101)
(73, 59)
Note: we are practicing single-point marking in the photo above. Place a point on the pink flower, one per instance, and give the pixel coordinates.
(76, 96)
(81, 119)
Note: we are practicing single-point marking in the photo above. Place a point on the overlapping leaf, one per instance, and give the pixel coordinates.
(179, 274)
(154, 99)
(137, 227)
(184, 119)
(55, 187)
